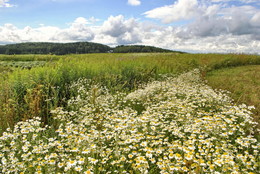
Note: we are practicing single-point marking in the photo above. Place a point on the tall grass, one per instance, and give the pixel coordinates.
(185, 127)
(28, 57)
(243, 83)
(29, 93)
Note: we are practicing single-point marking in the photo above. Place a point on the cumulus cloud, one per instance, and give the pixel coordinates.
(218, 29)
(241, 1)
(225, 43)
(134, 2)
(78, 31)
(4, 3)
(80, 21)
(211, 18)
(115, 30)
(243, 20)
(116, 26)
(124, 30)
(181, 9)
(255, 20)
(11, 34)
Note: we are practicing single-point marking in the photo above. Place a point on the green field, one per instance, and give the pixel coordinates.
(129, 113)
(243, 83)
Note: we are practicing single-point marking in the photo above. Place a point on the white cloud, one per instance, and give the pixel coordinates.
(78, 31)
(116, 26)
(93, 20)
(255, 20)
(210, 32)
(211, 19)
(225, 43)
(124, 30)
(80, 21)
(243, 20)
(181, 9)
(134, 2)
(4, 3)
(243, 1)
(10, 33)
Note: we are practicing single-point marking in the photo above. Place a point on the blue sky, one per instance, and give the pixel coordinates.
(61, 12)
(187, 25)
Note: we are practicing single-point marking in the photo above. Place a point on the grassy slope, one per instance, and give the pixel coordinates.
(243, 83)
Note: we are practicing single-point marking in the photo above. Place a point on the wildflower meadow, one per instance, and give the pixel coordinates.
(177, 124)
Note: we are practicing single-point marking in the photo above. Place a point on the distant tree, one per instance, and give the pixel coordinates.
(146, 49)
(53, 48)
(139, 49)
(74, 48)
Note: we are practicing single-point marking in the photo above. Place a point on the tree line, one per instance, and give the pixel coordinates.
(139, 48)
(73, 48)
(54, 48)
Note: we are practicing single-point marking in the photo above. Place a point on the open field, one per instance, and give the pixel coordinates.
(22, 64)
(131, 113)
(11, 62)
(243, 83)
(30, 88)
(28, 57)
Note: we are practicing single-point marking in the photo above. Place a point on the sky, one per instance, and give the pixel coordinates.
(201, 26)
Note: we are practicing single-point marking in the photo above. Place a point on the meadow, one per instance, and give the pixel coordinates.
(243, 83)
(130, 113)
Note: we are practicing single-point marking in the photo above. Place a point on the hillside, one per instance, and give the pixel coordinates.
(54, 48)
(140, 49)
(74, 48)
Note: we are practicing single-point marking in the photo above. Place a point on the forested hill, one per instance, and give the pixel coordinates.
(140, 48)
(54, 48)
(73, 48)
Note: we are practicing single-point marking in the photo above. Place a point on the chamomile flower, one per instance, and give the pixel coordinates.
(183, 126)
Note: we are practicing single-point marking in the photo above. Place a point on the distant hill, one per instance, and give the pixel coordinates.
(74, 48)
(140, 49)
(54, 48)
